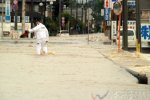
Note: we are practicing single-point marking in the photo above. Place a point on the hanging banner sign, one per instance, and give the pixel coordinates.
(107, 13)
(106, 4)
(15, 5)
(114, 0)
(7, 11)
(113, 29)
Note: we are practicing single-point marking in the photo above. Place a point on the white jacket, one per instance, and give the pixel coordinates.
(40, 32)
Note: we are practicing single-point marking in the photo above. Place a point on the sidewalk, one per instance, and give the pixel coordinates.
(126, 59)
(73, 70)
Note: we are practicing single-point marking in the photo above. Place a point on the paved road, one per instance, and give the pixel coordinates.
(72, 70)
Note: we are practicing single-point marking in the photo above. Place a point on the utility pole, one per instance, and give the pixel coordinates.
(60, 16)
(76, 9)
(82, 18)
(44, 11)
(88, 24)
(70, 23)
(71, 1)
(138, 27)
(15, 3)
(2, 18)
(85, 17)
(117, 8)
(31, 13)
(15, 9)
(125, 26)
(23, 15)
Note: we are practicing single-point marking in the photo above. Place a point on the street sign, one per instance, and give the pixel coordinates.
(27, 19)
(108, 23)
(18, 19)
(114, 0)
(7, 11)
(107, 14)
(106, 4)
(131, 3)
(102, 12)
(117, 8)
(15, 2)
(7, 19)
(15, 5)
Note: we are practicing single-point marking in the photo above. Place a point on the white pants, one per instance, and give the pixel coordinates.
(41, 46)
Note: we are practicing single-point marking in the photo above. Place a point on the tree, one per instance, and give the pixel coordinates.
(56, 7)
(52, 26)
(96, 6)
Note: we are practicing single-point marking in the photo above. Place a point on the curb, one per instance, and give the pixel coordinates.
(142, 78)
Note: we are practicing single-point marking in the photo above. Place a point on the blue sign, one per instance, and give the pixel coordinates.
(107, 13)
(114, 0)
(7, 11)
(145, 32)
(7, 19)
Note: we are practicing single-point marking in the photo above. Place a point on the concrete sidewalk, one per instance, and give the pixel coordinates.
(127, 59)
(73, 70)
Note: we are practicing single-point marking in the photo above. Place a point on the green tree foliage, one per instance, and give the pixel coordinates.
(96, 6)
(56, 7)
(52, 26)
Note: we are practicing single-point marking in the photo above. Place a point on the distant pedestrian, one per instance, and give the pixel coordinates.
(42, 37)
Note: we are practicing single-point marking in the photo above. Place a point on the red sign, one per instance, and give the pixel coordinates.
(15, 2)
(15, 5)
(106, 5)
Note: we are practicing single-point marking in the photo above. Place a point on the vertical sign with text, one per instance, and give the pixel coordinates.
(106, 4)
(113, 29)
(7, 11)
(107, 13)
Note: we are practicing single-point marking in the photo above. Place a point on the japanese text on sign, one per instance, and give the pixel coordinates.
(107, 13)
(145, 31)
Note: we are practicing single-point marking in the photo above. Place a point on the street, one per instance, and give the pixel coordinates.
(74, 69)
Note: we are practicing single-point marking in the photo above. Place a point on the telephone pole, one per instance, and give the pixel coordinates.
(31, 14)
(15, 8)
(44, 20)
(125, 26)
(138, 27)
(82, 18)
(2, 18)
(60, 16)
(23, 15)
(76, 9)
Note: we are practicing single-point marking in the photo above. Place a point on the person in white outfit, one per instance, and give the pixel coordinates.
(42, 37)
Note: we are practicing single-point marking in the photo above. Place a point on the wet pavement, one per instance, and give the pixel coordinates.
(74, 69)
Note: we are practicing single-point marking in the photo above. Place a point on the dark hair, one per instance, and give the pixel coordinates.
(38, 19)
